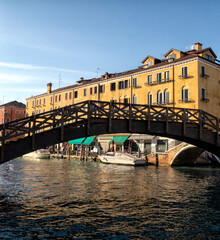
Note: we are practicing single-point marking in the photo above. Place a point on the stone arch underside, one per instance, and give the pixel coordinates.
(101, 126)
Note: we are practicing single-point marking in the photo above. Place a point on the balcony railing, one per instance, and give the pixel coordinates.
(163, 103)
(166, 80)
(187, 100)
(185, 76)
(204, 75)
(205, 100)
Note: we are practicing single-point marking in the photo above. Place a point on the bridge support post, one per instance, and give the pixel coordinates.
(33, 132)
(3, 144)
(130, 115)
(148, 118)
(167, 122)
(200, 124)
(62, 126)
(88, 117)
(110, 117)
(184, 122)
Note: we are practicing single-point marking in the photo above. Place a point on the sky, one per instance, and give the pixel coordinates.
(60, 41)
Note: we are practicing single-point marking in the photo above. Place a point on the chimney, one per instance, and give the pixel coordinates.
(198, 46)
(49, 87)
(106, 75)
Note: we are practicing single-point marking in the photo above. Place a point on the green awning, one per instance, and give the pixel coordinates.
(119, 140)
(88, 140)
(76, 141)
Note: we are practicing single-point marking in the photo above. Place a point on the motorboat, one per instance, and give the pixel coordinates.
(38, 154)
(121, 158)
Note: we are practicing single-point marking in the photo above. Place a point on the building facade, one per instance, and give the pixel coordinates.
(12, 111)
(189, 79)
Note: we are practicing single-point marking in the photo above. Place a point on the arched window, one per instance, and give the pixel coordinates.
(166, 96)
(120, 99)
(184, 94)
(134, 99)
(114, 100)
(150, 98)
(159, 97)
(126, 100)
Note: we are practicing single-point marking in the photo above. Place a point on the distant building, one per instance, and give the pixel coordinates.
(12, 111)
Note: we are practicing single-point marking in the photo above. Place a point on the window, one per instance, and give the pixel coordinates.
(209, 57)
(134, 99)
(185, 94)
(40, 102)
(102, 88)
(159, 97)
(37, 102)
(66, 96)
(7, 119)
(121, 85)
(90, 91)
(202, 71)
(149, 79)
(70, 95)
(95, 90)
(171, 57)
(76, 94)
(32, 103)
(39, 111)
(126, 85)
(159, 77)
(59, 98)
(203, 94)
(51, 99)
(149, 98)
(56, 98)
(126, 100)
(167, 75)
(184, 71)
(134, 82)
(44, 111)
(85, 92)
(113, 86)
(166, 96)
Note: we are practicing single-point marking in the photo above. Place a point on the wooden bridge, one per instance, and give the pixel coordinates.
(91, 118)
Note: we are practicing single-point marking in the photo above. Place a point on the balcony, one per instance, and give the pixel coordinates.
(188, 100)
(204, 75)
(166, 80)
(185, 76)
(206, 100)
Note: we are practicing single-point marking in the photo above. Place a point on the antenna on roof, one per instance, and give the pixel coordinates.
(60, 79)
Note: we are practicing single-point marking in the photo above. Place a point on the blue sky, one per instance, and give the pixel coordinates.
(41, 40)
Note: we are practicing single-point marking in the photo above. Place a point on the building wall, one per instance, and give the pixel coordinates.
(8, 114)
(193, 83)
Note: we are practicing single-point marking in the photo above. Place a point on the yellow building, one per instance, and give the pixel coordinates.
(189, 79)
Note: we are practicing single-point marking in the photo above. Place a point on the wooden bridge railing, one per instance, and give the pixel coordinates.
(87, 110)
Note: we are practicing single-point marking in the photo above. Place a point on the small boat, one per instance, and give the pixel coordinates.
(38, 154)
(121, 158)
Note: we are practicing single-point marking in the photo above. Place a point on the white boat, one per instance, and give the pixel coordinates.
(38, 154)
(121, 158)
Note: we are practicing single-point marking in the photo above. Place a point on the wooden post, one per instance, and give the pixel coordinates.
(148, 118)
(130, 117)
(110, 117)
(184, 122)
(167, 118)
(33, 132)
(62, 126)
(88, 117)
(3, 144)
(200, 124)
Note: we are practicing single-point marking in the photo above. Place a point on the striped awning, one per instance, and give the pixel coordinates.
(76, 141)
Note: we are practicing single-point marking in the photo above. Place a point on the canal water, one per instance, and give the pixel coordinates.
(61, 199)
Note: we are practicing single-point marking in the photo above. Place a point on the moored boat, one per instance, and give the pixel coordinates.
(121, 158)
(38, 154)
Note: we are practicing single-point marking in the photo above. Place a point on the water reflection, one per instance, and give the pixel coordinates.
(88, 200)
